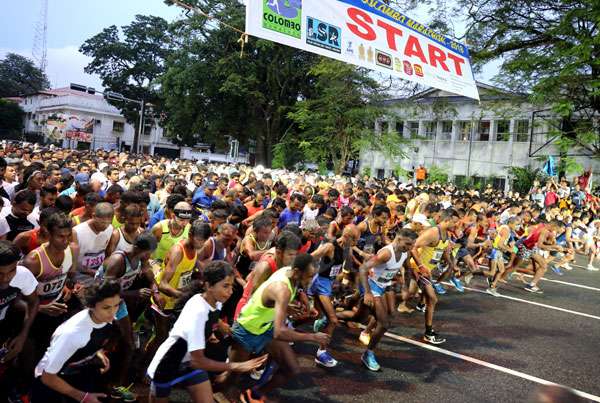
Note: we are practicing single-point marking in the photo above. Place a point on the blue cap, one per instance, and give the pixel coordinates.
(82, 179)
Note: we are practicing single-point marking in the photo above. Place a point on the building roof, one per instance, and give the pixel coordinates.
(486, 92)
(17, 100)
(68, 91)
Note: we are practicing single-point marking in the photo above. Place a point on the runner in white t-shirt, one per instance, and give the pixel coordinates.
(92, 237)
(181, 358)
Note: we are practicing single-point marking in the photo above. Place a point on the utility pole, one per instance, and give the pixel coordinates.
(40, 39)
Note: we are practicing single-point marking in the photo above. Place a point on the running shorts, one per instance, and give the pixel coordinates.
(321, 286)
(185, 376)
(252, 343)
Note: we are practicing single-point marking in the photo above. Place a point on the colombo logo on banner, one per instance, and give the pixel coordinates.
(283, 16)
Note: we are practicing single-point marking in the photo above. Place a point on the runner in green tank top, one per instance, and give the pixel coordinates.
(170, 231)
(262, 326)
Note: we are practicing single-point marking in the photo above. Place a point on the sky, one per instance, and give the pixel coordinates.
(71, 22)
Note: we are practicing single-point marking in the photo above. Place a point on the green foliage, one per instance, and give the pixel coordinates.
(550, 48)
(19, 77)
(436, 174)
(366, 171)
(337, 120)
(11, 117)
(130, 63)
(523, 178)
(211, 92)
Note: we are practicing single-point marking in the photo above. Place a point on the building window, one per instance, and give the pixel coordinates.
(400, 127)
(522, 131)
(503, 130)
(446, 130)
(464, 130)
(484, 130)
(147, 129)
(413, 129)
(429, 129)
(385, 127)
(118, 127)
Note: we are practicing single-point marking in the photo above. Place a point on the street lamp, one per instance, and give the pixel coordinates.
(115, 96)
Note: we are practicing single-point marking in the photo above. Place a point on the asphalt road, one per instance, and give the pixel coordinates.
(521, 340)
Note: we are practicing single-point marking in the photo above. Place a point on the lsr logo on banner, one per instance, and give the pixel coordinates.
(323, 35)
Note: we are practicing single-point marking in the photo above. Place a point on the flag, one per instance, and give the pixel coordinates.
(550, 167)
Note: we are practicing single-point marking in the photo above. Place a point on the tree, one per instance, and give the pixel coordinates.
(11, 117)
(20, 77)
(211, 91)
(548, 47)
(523, 178)
(130, 65)
(338, 120)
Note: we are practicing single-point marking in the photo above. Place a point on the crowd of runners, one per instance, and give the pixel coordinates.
(118, 270)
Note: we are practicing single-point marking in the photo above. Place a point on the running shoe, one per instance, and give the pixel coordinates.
(404, 309)
(457, 284)
(250, 396)
(433, 338)
(567, 267)
(533, 288)
(256, 374)
(439, 289)
(421, 307)
(493, 291)
(320, 324)
(557, 270)
(591, 267)
(364, 338)
(325, 359)
(368, 358)
(468, 278)
(123, 394)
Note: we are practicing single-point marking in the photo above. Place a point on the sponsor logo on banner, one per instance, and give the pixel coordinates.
(418, 70)
(383, 59)
(323, 35)
(283, 16)
(408, 68)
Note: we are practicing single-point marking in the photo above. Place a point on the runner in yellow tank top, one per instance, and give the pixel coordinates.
(431, 248)
(173, 278)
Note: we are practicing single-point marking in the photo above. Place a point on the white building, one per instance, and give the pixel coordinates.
(108, 128)
(464, 137)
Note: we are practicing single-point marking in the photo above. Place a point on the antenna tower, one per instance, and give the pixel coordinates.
(40, 50)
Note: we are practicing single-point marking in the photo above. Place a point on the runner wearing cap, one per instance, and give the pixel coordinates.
(172, 230)
(204, 197)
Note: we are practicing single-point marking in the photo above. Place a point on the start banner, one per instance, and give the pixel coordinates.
(366, 33)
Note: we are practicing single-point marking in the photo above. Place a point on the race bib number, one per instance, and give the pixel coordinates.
(387, 276)
(128, 279)
(185, 279)
(437, 256)
(92, 261)
(52, 288)
(335, 270)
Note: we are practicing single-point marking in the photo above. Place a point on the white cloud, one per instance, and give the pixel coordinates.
(65, 66)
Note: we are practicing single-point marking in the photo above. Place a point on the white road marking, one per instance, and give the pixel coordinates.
(559, 281)
(567, 283)
(489, 365)
(556, 308)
